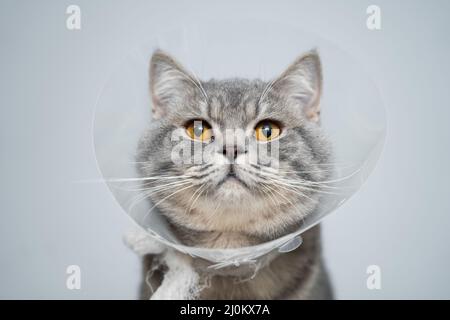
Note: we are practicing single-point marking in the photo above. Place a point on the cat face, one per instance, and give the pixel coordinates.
(235, 155)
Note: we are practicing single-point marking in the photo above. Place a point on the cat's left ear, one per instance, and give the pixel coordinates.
(301, 83)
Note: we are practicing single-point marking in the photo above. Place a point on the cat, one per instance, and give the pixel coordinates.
(226, 200)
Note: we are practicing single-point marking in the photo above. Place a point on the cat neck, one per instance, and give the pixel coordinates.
(215, 239)
(228, 240)
(273, 276)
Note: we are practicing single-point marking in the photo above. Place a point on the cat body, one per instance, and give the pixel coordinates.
(299, 274)
(256, 167)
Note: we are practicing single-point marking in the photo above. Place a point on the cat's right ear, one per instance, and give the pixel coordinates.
(170, 84)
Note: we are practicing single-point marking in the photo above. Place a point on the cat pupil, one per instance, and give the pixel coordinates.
(267, 130)
(198, 130)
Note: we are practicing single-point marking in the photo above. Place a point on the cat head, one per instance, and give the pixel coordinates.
(235, 155)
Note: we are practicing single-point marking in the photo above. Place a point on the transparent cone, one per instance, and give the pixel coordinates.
(352, 117)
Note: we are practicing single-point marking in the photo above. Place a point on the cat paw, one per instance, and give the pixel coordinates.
(142, 243)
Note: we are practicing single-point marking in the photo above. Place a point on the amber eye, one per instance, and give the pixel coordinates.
(267, 130)
(199, 130)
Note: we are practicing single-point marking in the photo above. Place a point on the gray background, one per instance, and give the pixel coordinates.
(51, 77)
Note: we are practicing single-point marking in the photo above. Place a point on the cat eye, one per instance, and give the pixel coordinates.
(199, 130)
(267, 130)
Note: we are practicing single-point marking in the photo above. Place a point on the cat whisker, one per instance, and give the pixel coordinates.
(292, 189)
(266, 90)
(202, 189)
(145, 178)
(280, 182)
(149, 192)
(333, 167)
(103, 180)
(277, 181)
(149, 186)
(192, 200)
(165, 198)
(304, 187)
(269, 193)
(342, 178)
(280, 194)
(296, 206)
(311, 185)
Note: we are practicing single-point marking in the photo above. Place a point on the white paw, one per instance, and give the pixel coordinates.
(142, 243)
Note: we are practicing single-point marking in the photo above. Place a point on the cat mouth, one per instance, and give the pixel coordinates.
(231, 177)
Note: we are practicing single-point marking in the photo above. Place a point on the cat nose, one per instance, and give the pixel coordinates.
(231, 152)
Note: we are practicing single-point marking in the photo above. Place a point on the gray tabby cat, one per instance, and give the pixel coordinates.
(226, 200)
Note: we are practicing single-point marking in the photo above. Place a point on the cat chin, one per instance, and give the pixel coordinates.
(232, 189)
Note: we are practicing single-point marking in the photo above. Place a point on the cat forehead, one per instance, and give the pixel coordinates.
(233, 101)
